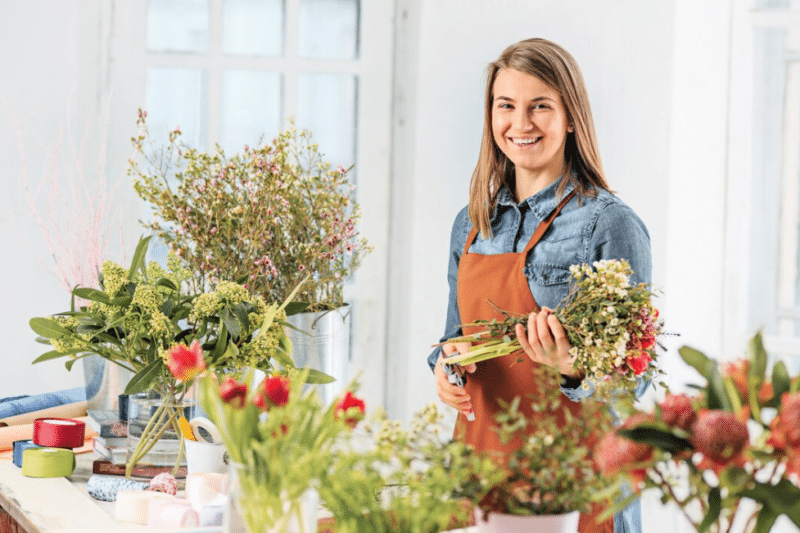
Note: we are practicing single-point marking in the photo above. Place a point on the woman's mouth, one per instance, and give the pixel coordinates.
(525, 141)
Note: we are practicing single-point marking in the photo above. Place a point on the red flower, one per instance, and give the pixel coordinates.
(616, 454)
(638, 363)
(677, 410)
(233, 393)
(351, 407)
(272, 392)
(785, 428)
(186, 362)
(719, 435)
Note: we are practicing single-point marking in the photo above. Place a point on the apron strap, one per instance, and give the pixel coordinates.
(537, 235)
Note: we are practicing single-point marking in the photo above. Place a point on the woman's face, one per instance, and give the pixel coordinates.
(530, 126)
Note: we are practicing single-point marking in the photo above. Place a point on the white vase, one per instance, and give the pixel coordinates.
(509, 523)
(324, 346)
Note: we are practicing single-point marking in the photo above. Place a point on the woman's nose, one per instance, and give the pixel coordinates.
(523, 120)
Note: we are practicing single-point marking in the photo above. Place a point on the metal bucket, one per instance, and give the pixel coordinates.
(105, 381)
(324, 346)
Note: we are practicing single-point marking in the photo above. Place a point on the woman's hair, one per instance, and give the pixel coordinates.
(557, 68)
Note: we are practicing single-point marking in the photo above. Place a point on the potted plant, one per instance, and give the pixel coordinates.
(551, 477)
(268, 216)
(737, 438)
(281, 439)
(141, 317)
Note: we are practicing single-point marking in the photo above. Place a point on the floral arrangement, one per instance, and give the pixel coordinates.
(553, 470)
(738, 438)
(266, 217)
(416, 479)
(611, 324)
(281, 441)
(142, 319)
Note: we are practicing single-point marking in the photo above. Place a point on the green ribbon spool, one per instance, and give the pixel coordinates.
(48, 462)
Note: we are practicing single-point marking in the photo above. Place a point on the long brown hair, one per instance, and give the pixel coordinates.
(558, 69)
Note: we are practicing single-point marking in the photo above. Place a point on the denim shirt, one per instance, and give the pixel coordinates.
(588, 229)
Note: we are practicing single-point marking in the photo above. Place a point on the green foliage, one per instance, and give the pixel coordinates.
(266, 216)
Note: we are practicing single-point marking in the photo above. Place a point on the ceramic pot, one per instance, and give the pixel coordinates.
(509, 523)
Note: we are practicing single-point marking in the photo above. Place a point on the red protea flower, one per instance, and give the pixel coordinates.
(272, 392)
(351, 408)
(785, 427)
(719, 435)
(233, 393)
(186, 362)
(677, 410)
(616, 453)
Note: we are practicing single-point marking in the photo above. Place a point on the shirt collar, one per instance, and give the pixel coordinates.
(541, 204)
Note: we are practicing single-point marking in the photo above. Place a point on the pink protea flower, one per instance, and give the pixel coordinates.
(351, 408)
(186, 362)
(677, 410)
(272, 392)
(616, 454)
(233, 393)
(719, 435)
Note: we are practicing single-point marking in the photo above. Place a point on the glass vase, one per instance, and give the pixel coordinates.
(154, 436)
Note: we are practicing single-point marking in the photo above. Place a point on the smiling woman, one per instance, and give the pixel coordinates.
(539, 204)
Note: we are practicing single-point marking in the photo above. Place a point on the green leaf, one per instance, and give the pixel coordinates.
(168, 283)
(781, 498)
(93, 295)
(122, 301)
(781, 382)
(717, 397)
(231, 323)
(139, 256)
(54, 354)
(242, 316)
(283, 358)
(656, 437)
(758, 363)
(766, 519)
(48, 328)
(222, 343)
(697, 360)
(142, 380)
(714, 509)
(294, 308)
(316, 376)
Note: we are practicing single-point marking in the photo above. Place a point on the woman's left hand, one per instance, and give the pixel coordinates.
(546, 342)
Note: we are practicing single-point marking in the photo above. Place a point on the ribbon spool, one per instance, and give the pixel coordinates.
(48, 462)
(164, 513)
(19, 447)
(132, 505)
(59, 432)
(204, 430)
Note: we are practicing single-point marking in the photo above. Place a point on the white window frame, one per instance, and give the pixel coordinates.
(741, 212)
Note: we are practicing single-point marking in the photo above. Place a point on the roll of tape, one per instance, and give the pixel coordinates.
(171, 513)
(105, 488)
(48, 462)
(132, 505)
(59, 432)
(204, 430)
(19, 447)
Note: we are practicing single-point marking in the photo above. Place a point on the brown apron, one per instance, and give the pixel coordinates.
(501, 279)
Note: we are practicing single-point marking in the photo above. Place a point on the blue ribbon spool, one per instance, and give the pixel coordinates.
(19, 447)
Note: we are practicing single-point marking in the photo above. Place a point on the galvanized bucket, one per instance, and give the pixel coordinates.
(105, 381)
(324, 346)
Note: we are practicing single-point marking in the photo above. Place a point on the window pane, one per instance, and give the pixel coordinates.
(251, 108)
(328, 29)
(177, 97)
(326, 105)
(252, 27)
(177, 25)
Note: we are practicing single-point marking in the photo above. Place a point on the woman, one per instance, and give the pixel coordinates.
(538, 203)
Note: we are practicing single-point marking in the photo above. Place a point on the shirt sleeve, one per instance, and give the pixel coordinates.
(458, 236)
(618, 234)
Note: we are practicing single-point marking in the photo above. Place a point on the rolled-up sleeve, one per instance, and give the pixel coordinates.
(458, 236)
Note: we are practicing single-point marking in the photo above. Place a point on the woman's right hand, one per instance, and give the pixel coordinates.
(450, 394)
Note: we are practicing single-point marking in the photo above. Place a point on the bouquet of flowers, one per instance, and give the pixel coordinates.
(738, 438)
(611, 324)
(267, 217)
(553, 470)
(281, 439)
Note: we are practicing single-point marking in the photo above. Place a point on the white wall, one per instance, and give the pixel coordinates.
(52, 87)
(625, 51)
